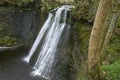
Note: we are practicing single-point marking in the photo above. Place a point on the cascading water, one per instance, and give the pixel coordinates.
(50, 33)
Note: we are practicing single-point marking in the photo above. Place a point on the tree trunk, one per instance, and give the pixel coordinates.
(111, 27)
(110, 31)
(96, 41)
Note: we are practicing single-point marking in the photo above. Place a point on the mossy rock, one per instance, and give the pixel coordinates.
(8, 41)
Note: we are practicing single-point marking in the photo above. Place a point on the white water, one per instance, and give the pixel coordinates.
(4, 48)
(39, 37)
(52, 31)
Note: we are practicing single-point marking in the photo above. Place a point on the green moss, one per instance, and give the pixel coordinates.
(1, 27)
(8, 41)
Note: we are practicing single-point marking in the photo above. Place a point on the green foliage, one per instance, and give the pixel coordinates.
(84, 35)
(85, 9)
(8, 41)
(80, 35)
(17, 2)
(82, 78)
(82, 75)
(112, 59)
(113, 49)
(112, 71)
(1, 27)
(118, 22)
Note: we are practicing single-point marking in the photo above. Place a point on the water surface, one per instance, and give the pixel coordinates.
(13, 68)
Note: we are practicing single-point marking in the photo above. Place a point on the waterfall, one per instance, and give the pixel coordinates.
(50, 33)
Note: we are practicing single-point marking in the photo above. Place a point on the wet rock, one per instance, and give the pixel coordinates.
(22, 25)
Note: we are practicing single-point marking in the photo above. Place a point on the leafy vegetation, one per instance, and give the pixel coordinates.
(111, 60)
(1, 27)
(112, 71)
(113, 49)
(7, 41)
(17, 2)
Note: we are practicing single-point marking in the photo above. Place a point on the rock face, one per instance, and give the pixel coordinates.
(19, 24)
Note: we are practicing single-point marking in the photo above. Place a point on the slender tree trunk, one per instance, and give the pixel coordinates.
(96, 41)
(111, 27)
(110, 31)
